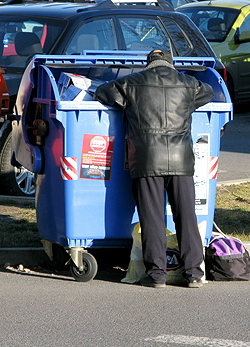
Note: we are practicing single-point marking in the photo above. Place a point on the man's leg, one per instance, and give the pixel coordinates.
(150, 198)
(181, 196)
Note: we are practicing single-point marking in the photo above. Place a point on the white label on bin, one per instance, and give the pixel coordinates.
(201, 179)
(68, 168)
(201, 175)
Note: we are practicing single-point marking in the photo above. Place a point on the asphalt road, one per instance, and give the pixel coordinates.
(44, 310)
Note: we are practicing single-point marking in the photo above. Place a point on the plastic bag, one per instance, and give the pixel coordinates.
(136, 269)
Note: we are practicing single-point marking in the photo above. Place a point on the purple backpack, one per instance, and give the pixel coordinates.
(226, 259)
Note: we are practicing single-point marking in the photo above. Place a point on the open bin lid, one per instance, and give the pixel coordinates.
(135, 60)
(46, 64)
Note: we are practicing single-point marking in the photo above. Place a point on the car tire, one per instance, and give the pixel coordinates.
(14, 181)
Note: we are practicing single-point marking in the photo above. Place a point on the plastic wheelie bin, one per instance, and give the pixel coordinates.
(77, 148)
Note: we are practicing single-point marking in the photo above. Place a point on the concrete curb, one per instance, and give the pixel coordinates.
(232, 182)
(18, 198)
(28, 257)
(33, 257)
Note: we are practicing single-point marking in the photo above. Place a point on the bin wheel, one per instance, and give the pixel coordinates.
(89, 268)
(59, 258)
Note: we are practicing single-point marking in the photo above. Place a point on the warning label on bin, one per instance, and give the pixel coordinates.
(68, 168)
(97, 156)
(213, 168)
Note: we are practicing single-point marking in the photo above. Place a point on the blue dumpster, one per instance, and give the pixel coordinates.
(78, 151)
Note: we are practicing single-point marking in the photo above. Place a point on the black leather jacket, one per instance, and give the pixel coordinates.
(158, 104)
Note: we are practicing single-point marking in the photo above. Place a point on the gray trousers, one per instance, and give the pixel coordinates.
(149, 194)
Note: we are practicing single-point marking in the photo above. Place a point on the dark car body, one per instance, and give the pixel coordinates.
(65, 28)
(114, 25)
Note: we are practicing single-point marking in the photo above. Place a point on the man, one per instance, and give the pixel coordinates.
(158, 104)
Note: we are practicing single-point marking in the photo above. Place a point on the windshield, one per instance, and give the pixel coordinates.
(22, 38)
(214, 22)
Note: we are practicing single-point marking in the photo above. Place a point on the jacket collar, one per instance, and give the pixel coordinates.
(158, 62)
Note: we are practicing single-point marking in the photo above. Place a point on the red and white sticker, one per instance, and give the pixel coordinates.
(96, 157)
(68, 168)
(98, 144)
(213, 168)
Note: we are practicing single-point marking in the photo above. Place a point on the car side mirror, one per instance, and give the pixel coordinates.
(241, 37)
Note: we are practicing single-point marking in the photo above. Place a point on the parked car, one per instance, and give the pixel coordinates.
(22, 178)
(4, 95)
(226, 26)
(70, 28)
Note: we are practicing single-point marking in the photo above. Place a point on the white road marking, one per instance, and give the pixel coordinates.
(197, 341)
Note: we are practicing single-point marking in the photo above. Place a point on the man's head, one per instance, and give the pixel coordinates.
(159, 54)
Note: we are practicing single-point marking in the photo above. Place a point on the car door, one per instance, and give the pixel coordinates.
(93, 34)
(243, 57)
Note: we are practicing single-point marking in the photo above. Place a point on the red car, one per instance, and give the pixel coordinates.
(4, 95)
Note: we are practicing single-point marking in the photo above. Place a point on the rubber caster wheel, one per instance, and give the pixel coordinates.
(59, 258)
(89, 268)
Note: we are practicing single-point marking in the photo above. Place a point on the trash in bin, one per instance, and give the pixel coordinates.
(78, 151)
(75, 87)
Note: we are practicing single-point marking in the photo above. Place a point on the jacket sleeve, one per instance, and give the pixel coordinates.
(111, 93)
(203, 94)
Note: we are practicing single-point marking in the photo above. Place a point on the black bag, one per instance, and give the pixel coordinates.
(226, 259)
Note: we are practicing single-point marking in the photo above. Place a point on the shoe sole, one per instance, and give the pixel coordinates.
(195, 285)
(154, 285)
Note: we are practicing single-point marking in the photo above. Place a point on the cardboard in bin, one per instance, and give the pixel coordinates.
(73, 87)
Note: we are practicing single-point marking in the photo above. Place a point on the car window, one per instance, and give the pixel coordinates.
(214, 23)
(143, 34)
(97, 34)
(182, 44)
(23, 38)
(186, 38)
(245, 25)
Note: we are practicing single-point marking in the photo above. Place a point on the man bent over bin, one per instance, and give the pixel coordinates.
(158, 104)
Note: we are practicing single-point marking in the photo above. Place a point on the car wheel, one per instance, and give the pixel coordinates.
(14, 181)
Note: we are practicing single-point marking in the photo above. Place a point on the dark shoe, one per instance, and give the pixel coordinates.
(195, 284)
(149, 282)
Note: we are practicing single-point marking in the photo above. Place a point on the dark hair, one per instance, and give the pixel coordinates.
(161, 54)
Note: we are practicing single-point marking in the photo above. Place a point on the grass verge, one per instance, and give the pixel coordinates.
(18, 226)
(18, 217)
(232, 210)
